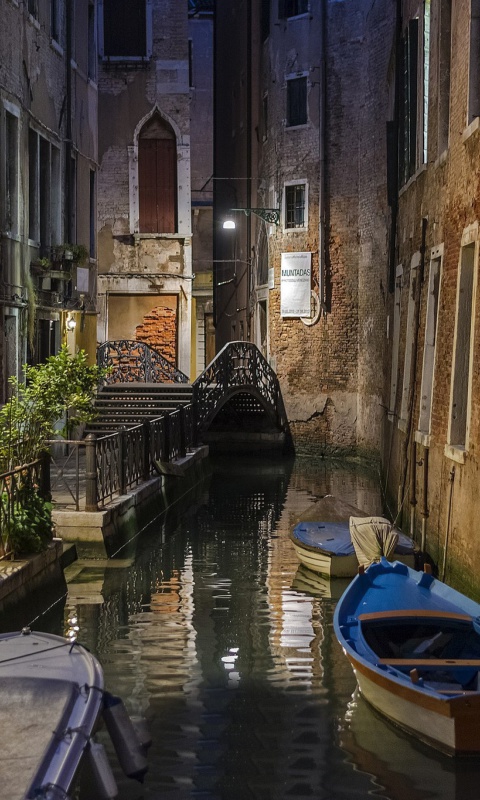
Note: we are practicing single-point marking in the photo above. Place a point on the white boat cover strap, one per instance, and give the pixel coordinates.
(372, 538)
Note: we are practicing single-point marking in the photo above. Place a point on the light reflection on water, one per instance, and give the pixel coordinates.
(211, 630)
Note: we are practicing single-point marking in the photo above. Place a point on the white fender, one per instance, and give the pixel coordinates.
(124, 738)
(105, 785)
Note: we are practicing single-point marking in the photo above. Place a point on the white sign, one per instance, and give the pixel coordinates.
(295, 284)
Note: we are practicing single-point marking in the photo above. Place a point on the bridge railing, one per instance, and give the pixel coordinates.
(95, 470)
(238, 364)
(129, 361)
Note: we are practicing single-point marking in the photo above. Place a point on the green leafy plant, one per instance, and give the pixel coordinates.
(61, 389)
(79, 252)
(30, 527)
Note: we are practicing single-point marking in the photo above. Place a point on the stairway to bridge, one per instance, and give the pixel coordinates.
(120, 405)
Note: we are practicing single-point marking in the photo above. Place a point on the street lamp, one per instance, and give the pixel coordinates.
(269, 215)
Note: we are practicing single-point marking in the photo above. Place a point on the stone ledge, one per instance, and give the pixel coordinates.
(125, 510)
(15, 574)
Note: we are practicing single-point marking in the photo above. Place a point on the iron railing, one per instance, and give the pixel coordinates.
(129, 361)
(12, 498)
(98, 469)
(239, 365)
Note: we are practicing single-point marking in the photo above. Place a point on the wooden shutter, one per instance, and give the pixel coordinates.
(157, 177)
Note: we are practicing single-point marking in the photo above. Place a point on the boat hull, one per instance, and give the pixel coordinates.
(334, 566)
(414, 645)
(447, 726)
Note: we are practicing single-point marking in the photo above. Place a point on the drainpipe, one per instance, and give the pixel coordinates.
(413, 480)
(321, 158)
(424, 510)
(451, 479)
(68, 137)
(249, 169)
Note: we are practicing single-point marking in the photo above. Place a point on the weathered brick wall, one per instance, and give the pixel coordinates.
(331, 373)
(446, 194)
(159, 330)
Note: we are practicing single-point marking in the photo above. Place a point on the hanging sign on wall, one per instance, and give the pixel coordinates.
(295, 284)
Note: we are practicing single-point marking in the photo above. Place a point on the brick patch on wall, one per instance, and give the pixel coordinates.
(159, 330)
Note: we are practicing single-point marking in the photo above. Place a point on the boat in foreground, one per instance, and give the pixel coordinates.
(414, 645)
(51, 699)
(327, 547)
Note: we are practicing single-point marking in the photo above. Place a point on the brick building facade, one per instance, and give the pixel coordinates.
(300, 127)
(433, 426)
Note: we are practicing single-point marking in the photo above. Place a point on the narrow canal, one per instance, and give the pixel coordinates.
(206, 625)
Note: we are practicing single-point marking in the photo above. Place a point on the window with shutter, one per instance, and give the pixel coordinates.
(157, 179)
(296, 101)
(124, 29)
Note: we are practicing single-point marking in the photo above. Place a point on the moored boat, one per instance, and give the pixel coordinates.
(51, 700)
(414, 645)
(328, 548)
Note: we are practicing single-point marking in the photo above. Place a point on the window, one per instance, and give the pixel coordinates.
(426, 392)
(408, 147)
(295, 215)
(426, 74)
(33, 185)
(395, 342)
(54, 20)
(474, 62)
(11, 173)
(463, 343)
(444, 62)
(92, 215)
(32, 6)
(409, 339)
(265, 19)
(44, 203)
(265, 117)
(157, 178)
(125, 29)
(92, 45)
(415, 94)
(296, 101)
(292, 8)
(190, 63)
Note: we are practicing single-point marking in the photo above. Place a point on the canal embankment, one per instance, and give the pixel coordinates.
(106, 530)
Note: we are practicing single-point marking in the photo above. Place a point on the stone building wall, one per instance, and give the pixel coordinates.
(131, 95)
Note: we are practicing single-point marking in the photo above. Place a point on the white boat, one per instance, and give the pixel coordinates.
(51, 699)
(330, 548)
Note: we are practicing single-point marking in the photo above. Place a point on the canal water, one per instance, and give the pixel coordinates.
(206, 625)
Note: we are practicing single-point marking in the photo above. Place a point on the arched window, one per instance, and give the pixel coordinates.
(157, 177)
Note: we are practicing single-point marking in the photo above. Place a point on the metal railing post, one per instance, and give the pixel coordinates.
(45, 488)
(146, 450)
(182, 447)
(167, 437)
(122, 478)
(91, 489)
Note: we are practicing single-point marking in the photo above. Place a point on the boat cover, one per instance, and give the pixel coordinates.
(372, 538)
(334, 537)
(330, 537)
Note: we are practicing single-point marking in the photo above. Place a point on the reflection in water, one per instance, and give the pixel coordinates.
(214, 633)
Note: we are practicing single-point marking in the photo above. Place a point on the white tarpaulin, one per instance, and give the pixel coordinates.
(295, 284)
